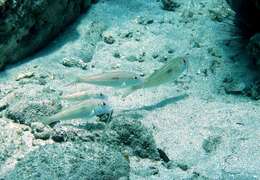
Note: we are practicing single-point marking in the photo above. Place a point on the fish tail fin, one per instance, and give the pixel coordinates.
(74, 82)
(47, 121)
(130, 91)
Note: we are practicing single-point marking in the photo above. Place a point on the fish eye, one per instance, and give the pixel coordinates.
(135, 77)
(104, 104)
(101, 94)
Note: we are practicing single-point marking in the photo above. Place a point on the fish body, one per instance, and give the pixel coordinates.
(83, 95)
(86, 109)
(170, 71)
(119, 79)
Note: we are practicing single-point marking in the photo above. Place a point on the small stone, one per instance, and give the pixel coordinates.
(24, 75)
(117, 54)
(145, 172)
(173, 164)
(234, 87)
(3, 105)
(163, 155)
(40, 131)
(74, 62)
(144, 20)
(132, 58)
(163, 59)
(142, 74)
(211, 143)
(169, 5)
(155, 55)
(183, 166)
(128, 34)
(214, 52)
(171, 51)
(108, 38)
(253, 48)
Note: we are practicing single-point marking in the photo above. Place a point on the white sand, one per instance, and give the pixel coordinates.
(180, 125)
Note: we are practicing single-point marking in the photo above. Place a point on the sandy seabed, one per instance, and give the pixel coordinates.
(214, 134)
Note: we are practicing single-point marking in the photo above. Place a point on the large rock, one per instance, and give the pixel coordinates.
(81, 161)
(28, 25)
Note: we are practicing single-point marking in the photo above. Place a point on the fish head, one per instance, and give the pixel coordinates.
(102, 108)
(180, 64)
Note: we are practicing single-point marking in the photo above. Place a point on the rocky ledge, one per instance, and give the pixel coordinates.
(28, 25)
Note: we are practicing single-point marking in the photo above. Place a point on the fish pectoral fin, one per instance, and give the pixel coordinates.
(92, 113)
(123, 84)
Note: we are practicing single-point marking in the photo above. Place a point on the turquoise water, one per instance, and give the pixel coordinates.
(205, 132)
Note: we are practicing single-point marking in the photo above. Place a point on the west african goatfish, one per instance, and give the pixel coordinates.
(170, 71)
(86, 109)
(83, 95)
(119, 79)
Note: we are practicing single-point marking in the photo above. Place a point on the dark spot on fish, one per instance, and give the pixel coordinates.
(169, 71)
(163, 155)
(115, 78)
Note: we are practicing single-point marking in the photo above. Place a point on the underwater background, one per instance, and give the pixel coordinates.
(204, 124)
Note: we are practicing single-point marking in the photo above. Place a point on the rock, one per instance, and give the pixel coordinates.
(130, 132)
(26, 26)
(72, 161)
(32, 102)
(40, 131)
(144, 20)
(74, 62)
(147, 171)
(254, 90)
(25, 75)
(108, 38)
(3, 105)
(116, 54)
(232, 86)
(169, 5)
(132, 58)
(173, 164)
(14, 141)
(163, 155)
(253, 48)
(85, 132)
(211, 143)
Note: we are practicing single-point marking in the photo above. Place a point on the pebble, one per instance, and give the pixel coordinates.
(211, 143)
(3, 105)
(234, 87)
(25, 75)
(40, 131)
(131, 58)
(108, 38)
(169, 5)
(116, 54)
(74, 62)
(149, 171)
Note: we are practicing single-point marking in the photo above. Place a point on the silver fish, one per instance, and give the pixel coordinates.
(83, 95)
(170, 71)
(86, 109)
(119, 79)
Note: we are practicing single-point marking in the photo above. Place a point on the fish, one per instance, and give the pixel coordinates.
(83, 95)
(170, 71)
(85, 109)
(119, 79)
